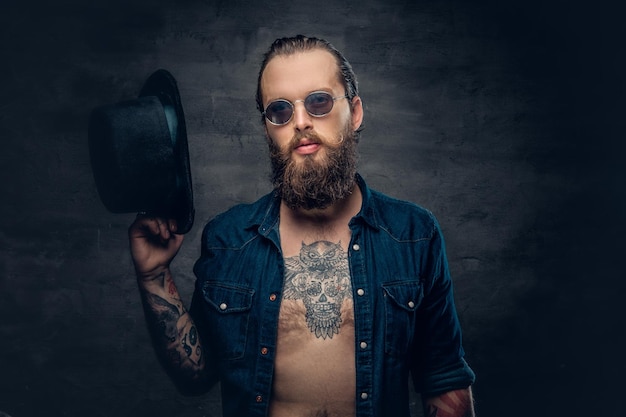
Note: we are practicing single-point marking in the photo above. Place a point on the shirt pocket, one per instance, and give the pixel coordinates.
(402, 299)
(228, 311)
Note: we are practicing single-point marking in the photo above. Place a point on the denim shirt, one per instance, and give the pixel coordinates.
(405, 319)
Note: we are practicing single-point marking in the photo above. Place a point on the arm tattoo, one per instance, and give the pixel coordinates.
(433, 411)
(175, 335)
(165, 316)
(456, 403)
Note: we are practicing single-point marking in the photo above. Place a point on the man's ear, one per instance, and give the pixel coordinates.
(357, 113)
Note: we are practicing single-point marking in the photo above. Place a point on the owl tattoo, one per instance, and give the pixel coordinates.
(319, 276)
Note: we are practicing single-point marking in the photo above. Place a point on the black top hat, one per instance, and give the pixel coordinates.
(139, 153)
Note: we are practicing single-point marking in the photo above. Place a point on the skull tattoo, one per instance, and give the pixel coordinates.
(320, 277)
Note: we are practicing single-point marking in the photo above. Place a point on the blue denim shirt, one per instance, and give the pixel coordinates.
(403, 305)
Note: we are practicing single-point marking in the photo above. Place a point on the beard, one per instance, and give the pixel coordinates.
(320, 179)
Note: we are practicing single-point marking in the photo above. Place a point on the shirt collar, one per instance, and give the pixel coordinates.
(368, 210)
(266, 215)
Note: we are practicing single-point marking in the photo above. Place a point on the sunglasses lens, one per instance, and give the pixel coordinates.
(319, 104)
(279, 112)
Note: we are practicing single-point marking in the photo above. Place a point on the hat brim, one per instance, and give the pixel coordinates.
(163, 85)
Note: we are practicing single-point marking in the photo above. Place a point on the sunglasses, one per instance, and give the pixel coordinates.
(317, 104)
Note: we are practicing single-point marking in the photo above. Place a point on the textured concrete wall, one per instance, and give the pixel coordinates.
(506, 120)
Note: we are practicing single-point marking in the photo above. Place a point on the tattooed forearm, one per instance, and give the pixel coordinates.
(172, 324)
(175, 336)
(458, 403)
(164, 317)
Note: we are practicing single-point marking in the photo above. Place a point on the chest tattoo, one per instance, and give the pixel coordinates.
(319, 276)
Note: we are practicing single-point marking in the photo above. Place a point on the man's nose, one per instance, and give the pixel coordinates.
(301, 117)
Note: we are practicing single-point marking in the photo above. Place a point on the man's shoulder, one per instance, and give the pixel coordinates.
(400, 217)
(385, 203)
(385, 206)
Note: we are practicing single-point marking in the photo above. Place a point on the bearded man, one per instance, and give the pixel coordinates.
(323, 297)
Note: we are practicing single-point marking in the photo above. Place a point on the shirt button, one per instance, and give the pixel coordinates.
(411, 304)
(360, 291)
(364, 395)
(363, 345)
(264, 351)
(259, 398)
(356, 246)
(223, 306)
(272, 297)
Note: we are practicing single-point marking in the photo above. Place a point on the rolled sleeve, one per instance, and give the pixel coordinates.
(439, 364)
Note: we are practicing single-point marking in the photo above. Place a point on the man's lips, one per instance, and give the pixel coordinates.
(306, 147)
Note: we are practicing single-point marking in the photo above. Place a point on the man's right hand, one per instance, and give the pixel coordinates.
(153, 245)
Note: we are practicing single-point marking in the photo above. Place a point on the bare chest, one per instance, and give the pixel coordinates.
(315, 348)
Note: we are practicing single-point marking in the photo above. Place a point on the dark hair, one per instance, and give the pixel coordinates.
(300, 43)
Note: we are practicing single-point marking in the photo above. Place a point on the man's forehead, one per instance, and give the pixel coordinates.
(307, 70)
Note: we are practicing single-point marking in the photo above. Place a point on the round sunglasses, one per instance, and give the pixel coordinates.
(317, 104)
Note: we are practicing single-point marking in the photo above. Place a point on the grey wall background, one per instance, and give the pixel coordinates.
(505, 119)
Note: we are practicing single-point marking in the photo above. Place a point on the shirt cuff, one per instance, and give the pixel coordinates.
(457, 376)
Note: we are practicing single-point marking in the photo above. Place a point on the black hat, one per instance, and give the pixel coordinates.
(139, 153)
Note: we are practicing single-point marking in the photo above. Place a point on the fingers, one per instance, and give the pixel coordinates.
(173, 225)
(153, 244)
(152, 228)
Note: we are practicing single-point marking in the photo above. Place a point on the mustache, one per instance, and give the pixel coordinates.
(313, 137)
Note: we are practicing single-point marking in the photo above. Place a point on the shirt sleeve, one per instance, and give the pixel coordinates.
(438, 363)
